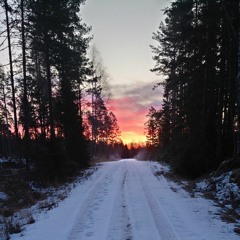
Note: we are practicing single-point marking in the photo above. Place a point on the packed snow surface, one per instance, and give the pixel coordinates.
(127, 200)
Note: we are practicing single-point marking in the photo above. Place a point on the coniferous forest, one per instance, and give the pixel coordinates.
(197, 51)
(60, 139)
(53, 93)
(54, 89)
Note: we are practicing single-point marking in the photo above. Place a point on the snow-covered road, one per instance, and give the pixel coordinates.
(125, 200)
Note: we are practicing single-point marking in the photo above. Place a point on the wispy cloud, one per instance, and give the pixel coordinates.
(130, 103)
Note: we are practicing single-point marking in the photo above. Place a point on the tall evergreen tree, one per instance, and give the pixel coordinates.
(153, 128)
(199, 99)
(58, 42)
(8, 9)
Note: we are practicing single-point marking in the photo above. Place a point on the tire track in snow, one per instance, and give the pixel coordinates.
(86, 221)
(165, 229)
(124, 201)
(120, 226)
(148, 218)
(140, 214)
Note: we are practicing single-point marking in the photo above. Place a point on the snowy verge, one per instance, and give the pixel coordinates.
(223, 187)
(16, 223)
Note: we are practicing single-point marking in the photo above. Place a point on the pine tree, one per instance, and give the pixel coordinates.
(8, 9)
(199, 100)
(153, 128)
(58, 44)
(5, 115)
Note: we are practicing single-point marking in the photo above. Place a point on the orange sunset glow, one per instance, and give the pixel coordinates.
(131, 118)
(123, 43)
(132, 137)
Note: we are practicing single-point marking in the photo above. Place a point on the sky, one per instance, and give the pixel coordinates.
(122, 31)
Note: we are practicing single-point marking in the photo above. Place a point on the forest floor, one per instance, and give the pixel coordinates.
(128, 200)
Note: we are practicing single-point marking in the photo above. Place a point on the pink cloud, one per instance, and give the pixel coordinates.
(130, 114)
(130, 104)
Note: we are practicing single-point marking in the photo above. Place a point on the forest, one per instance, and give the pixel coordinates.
(54, 90)
(63, 165)
(197, 51)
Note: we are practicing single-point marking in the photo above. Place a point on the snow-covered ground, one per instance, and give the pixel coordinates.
(126, 200)
(225, 189)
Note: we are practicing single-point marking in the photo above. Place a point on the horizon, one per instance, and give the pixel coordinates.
(122, 35)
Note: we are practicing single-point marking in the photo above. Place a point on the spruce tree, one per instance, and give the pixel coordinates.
(197, 53)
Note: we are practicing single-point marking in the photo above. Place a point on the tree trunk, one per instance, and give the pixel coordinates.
(238, 93)
(11, 71)
(52, 130)
(25, 98)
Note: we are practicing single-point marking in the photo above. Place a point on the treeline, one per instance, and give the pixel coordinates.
(53, 97)
(197, 52)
